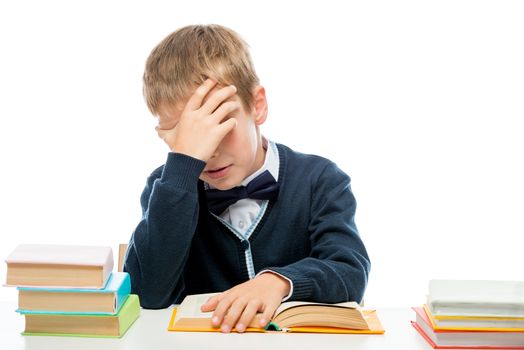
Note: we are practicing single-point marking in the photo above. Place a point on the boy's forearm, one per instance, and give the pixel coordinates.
(161, 242)
(338, 266)
(326, 280)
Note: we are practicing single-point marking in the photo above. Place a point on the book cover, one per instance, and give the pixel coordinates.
(76, 301)
(435, 346)
(187, 317)
(474, 323)
(454, 339)
(97, 326)
(67, 266)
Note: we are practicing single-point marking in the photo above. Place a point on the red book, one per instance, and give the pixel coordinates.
(445, 339)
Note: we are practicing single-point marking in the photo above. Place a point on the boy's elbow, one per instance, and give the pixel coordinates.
(151, 299)
(153, 304)
(357, 277)
(363, 280)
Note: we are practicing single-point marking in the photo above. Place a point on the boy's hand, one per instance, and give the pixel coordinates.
(236, 307)
(201, 128)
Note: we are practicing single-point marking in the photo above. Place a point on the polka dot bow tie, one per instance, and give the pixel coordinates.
(263, 186)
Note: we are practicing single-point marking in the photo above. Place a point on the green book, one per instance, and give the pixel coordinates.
(77, 325)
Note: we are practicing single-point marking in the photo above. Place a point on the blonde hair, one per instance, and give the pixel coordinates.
(190, 55)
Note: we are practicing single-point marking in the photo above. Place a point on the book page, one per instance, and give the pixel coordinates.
(190, 307)
(290, 304)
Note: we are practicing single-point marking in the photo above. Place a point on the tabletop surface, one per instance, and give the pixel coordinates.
(150, 332)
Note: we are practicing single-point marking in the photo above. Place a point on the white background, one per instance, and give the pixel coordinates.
(420, 102)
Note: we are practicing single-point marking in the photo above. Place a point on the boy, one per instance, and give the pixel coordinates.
(230, 211)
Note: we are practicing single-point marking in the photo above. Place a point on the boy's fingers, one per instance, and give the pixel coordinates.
(195, 101)
(217, 98)
(267, 315)
(220, 311)
(210, 304)
(233, 314)
(225, 109)
(227, 126)
(247, 316)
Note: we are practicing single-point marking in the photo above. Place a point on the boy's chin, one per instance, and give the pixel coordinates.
(221, 185)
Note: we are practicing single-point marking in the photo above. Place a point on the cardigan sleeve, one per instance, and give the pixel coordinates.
(338, 265)
(160, 245)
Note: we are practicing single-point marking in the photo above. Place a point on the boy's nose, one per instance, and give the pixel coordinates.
(215, 154)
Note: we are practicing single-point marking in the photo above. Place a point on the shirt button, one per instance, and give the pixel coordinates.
(241, 224)
(245, 244)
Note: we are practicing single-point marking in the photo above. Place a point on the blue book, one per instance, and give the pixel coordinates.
(106, 301)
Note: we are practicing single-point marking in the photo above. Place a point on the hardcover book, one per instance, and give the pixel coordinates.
(106, 301)
(112, 326)
(475, 323)
(305, 317)
(482, 298)
(66, 266)
(455, 339)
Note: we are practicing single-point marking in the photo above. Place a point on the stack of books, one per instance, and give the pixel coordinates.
(70, 291)
(472, 314)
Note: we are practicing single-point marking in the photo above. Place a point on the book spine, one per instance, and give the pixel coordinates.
(129, 313)
(123, 292)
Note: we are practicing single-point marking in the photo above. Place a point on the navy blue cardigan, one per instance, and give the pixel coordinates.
(307, 234)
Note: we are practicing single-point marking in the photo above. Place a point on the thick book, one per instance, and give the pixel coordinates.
(66, 266)
(481, 298)
(106, 301)
(453, 339)
(304, 317)
(104, 326)
(475, 323)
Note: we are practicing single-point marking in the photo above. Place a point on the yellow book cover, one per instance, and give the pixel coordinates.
(474, 323)
(303, 317)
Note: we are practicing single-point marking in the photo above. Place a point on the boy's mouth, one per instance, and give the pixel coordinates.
(218, 172)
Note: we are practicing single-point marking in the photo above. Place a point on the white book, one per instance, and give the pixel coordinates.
(482, 298)
(64, 266)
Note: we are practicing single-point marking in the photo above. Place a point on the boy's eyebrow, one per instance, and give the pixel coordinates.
(167, 120)
(167, 125)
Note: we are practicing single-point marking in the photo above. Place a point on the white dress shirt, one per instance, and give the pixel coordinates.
(242, 215)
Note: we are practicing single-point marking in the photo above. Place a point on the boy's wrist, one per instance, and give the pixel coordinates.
(182, 171)
(280, 283)
(189, 153)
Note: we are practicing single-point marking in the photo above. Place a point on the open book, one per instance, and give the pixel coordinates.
(307, 317)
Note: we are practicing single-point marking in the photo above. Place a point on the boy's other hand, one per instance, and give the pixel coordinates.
(236, 307)
(200, 127)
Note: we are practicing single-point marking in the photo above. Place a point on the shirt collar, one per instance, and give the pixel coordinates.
(271, 162)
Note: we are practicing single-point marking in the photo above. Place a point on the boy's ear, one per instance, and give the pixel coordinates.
(260, 104)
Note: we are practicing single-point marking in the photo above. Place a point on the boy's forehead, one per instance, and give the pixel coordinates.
(173, 111)
(181, 105)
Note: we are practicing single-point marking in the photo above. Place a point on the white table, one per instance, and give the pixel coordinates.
(149, 332)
